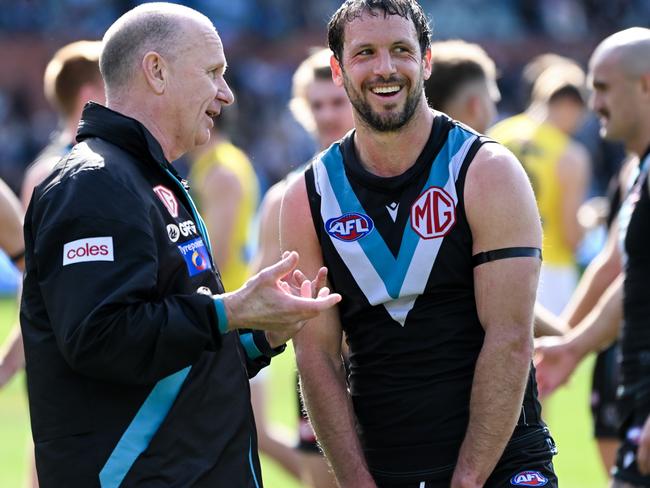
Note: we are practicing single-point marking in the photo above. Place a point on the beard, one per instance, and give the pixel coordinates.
(387, 122)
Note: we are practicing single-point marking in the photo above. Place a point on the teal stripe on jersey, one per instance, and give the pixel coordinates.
(144, 425)
(392, 271)
(250, 462)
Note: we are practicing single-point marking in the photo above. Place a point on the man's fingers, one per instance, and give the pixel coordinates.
(305, 289)
(282, 267)
(321, 278)
(328, 301)
(299, 276)
(323, 292)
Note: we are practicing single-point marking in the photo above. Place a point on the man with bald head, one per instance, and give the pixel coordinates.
(137, 359)
(620, 75)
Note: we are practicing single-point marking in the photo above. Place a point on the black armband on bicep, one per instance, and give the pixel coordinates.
(506, 253)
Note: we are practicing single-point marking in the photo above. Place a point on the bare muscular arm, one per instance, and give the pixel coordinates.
(318, 354)
(502, 213)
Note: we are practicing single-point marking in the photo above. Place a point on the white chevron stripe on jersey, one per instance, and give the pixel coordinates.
(394, 283)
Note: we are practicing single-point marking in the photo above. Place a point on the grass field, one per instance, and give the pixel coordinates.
(567, 413)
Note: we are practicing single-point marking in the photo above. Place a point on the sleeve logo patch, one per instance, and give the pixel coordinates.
(195, 255)
(89, 249)
(349, 227)
(529, 478)
(168, 198)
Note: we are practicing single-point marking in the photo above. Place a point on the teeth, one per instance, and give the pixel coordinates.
(386, 89)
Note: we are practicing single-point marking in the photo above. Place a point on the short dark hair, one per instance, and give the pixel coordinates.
(353, 9)
(454, 64)
(448, 80)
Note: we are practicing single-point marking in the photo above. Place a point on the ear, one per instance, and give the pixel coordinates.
(426, 59)
(337, 71)
(155, 71)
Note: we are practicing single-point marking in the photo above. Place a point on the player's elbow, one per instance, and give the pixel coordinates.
(516, 344)
(520, 349)
(314, 360)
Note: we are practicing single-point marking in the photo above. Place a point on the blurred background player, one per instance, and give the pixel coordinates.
(558, 168)
(605, 375)
(12, 357)
(620, 75)
(324, 111)
(226, 190)
(71, 80)
(463, 83)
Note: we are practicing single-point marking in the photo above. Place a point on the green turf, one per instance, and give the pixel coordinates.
(567, 413)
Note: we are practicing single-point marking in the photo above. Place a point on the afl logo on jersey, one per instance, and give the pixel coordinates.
(349, 227)
(433, 214)
(529, 478)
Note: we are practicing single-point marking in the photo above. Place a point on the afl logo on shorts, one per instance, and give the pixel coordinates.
(349, 227)
(433, 214)
(529, 478)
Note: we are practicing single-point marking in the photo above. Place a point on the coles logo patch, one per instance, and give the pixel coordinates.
(168, 198)
(349, 227)
(529, 478)
(89, 249)
(433, 214)
(195, 255)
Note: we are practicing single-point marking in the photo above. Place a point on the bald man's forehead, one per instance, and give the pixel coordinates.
(195, 35)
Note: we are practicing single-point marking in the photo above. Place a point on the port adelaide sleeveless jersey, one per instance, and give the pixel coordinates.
(399, 250)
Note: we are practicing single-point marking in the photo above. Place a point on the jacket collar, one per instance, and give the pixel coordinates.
(122, 131)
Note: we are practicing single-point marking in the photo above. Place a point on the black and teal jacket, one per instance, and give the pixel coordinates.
(131, 382)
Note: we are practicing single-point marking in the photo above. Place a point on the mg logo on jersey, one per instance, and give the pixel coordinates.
(168, 198)
(349, 227)
(433, 214)
(529, 478)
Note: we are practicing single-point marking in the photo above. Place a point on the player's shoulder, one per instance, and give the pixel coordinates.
(494, 160)
(496, 172)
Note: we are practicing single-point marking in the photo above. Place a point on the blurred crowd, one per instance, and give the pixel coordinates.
(266, 39)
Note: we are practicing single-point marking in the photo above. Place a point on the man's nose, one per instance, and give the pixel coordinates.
(225, 95)
(385, 66)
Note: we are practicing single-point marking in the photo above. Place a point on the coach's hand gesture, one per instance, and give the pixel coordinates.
(279, 299)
